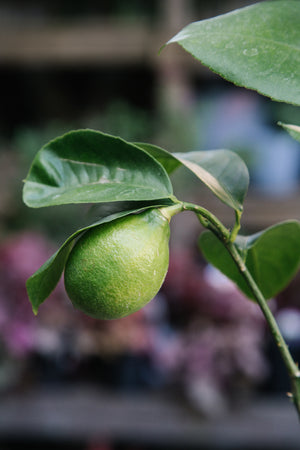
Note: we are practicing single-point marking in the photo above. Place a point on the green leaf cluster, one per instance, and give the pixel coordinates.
(87, 166)
(257, 47)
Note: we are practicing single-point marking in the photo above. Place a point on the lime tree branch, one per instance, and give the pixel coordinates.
(292, 367)
(210, 222)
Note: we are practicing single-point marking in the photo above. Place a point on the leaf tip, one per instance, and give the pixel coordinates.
(162, 48)
(31, 295)
(35, 310)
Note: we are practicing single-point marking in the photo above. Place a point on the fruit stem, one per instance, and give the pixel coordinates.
(169, 211)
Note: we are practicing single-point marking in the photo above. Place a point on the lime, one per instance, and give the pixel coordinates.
(116, 268)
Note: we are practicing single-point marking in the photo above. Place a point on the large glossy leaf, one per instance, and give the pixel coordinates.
(257, 47)
(87, 166)
(293, 130)
(223, 171)
(44, 280)
(272, 257)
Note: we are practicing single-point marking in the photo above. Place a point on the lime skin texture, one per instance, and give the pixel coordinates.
(116, 268)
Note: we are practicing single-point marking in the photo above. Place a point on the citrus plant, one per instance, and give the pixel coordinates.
(116, 265)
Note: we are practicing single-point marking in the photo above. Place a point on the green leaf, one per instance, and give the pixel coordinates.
(216, 254)
(257, 47)
(44, 280)
(293, 130)
(99, 211)
(40, 285)
(223, 171)
(166, 159)
(271, 256)
(87, 166)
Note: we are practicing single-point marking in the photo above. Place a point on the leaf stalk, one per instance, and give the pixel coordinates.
(209, 221)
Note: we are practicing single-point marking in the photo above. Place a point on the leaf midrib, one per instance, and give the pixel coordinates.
(282, 44)
(72, 187)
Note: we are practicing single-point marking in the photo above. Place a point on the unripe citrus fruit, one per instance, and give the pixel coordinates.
(116, 268)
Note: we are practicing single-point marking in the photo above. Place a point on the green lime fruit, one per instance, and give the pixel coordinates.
(116, 268)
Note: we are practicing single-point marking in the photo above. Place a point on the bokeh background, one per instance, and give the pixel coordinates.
(196, 368)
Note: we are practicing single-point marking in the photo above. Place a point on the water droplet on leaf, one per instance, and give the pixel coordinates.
(250, 52)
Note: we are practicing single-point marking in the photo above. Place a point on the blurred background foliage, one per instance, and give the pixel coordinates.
(199, 337)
